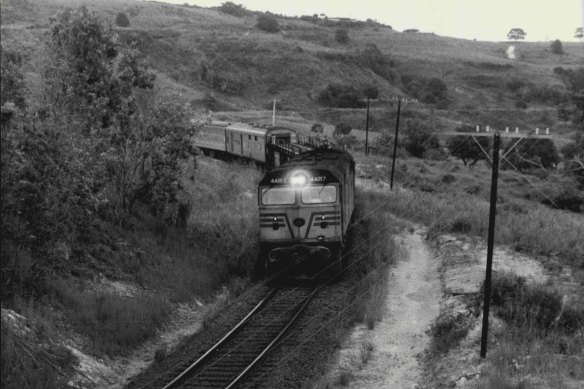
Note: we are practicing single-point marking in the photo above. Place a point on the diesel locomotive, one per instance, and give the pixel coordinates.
(305, 206)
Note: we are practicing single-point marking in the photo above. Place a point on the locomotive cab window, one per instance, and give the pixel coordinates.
(319, 194)
(278, 196)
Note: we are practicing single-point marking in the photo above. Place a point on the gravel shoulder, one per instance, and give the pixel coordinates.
(388, 356)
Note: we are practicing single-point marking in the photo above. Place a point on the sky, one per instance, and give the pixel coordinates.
(486, 20)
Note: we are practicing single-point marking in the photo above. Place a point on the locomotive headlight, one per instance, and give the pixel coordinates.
(298, 179)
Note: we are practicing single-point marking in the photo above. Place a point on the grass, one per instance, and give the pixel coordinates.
(380, 253)
(460, 204)
(447, 331)
(541, 343)
(30, 359)
(217, 249)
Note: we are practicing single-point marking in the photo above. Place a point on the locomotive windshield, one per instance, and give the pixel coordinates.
(319, 194)
(278, 196)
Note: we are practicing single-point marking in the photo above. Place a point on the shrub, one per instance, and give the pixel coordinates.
(340, 96)
(232, 9)
(418, 138)
(427, 90)
(268, 23)
(532, 153)
(563, 192)
(515, 84)
(521, 104)
(342, 129)
(317, 127)
(557, 47)
(534, 306)
(448, 331)
(342, 36)
(122, 20)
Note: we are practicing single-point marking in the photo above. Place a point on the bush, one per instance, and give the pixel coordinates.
(521, 104)
(122, 20)
(342, 129)
(515, 84)
(532, 154)
(427, 90)
(340, 96)
(232, 9)
(534, 306)
(448, 331)
(267, 23)
(342, 36)
(557, 47)
(418, 138)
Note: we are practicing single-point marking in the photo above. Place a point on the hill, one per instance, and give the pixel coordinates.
(224, 62)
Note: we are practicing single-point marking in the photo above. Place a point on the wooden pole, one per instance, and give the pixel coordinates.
(367, 130)
(491, 239)
(395, 144)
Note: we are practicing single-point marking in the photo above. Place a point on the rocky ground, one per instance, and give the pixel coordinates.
(387, 356)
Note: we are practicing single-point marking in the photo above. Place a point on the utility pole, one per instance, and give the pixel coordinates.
(493, 202)
(490, 242)
(274, 113)
(399, 101)
(367, 130)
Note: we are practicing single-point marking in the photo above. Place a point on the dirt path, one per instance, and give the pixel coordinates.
(387, 356)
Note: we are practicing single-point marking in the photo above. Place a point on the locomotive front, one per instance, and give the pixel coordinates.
(301, 215)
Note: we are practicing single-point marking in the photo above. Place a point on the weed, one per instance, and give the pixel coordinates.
(345, 377)
(160, 354)
(448, 331)
(535, 306)
(365, 351)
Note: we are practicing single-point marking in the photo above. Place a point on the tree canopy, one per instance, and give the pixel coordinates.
(516, 34)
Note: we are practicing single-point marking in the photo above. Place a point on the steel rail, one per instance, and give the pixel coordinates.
(274, 341)
(195, 364)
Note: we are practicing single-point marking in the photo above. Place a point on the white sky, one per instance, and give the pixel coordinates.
(542, 20)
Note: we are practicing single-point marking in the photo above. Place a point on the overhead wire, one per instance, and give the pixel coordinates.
(334, 263)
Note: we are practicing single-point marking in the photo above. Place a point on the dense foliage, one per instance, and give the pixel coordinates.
(268, 23)
(232, 9)
(122, 20)
(341, 96)
(93, 144)
(467, 149)
(342, 36)
(418, 138)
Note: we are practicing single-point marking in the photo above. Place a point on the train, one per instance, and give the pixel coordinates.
(268, 146)
(305, 208)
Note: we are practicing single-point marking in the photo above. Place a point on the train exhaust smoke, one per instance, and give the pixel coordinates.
(511, 52)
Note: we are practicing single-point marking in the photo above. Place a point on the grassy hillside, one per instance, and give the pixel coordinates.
(236, 66)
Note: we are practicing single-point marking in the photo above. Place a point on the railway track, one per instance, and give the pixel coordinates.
(227, 362)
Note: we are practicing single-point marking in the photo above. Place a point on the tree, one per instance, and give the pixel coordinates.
(557, 47)
(122, 20)
(342, 129)
(465, 148)
(579, 33)
(418, 138)
(12, 86)
(516, 34)
(268, 23)
(340, 96)
(371, 92)
(232, 9)
(532, 154)
(342, 36)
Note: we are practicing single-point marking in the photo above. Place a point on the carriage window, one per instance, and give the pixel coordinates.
(256, 138)
(278, 196)
(319, 194)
